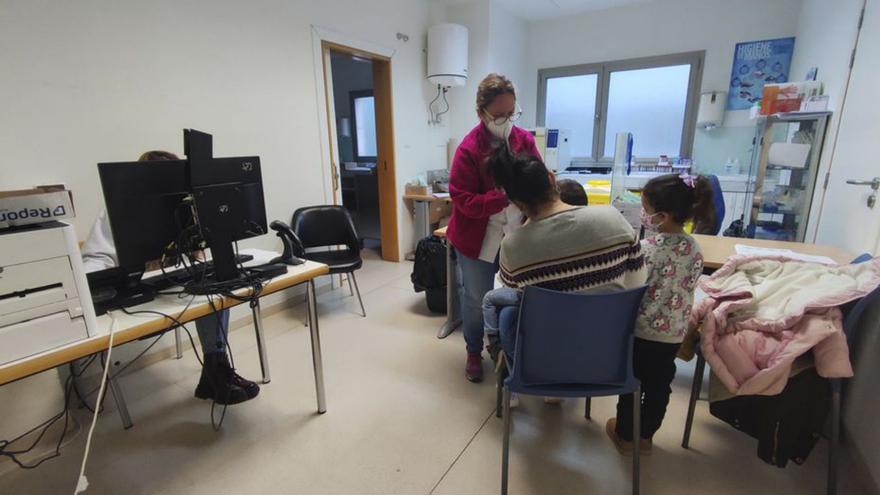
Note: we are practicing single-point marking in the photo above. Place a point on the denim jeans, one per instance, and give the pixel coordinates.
(475, 279)
(213, 330)
(493, 302)
(507, 333)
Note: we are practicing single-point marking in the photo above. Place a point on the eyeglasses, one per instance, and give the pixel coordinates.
(513, 117)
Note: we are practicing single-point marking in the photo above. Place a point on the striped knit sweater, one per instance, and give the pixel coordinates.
(585, 249)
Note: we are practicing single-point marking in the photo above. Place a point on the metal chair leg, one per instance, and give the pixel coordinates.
(499, 385)
(588, 408)
(350, 288)
(358, 290)
(637, 437)
(178, 345)
(692, 403)
(834, 443)
(505, 449)
(119, 399)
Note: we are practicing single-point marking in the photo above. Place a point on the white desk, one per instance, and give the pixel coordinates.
(133, 327)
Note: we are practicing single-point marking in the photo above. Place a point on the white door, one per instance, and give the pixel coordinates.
(847, 221)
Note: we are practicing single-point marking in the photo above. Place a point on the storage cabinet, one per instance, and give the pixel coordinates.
(784, 165)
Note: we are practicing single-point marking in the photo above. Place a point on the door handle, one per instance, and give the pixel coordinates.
(873, 184)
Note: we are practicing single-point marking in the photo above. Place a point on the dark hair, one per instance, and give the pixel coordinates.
(490, 88)
(156, 155)
(523, 177)
(571, 192)
(673, 195)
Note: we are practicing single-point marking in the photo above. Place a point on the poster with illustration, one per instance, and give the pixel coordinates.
(756, 63)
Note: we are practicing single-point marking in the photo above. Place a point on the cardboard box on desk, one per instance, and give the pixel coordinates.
(40, 204)
(416, 190)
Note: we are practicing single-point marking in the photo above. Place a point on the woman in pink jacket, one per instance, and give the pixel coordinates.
(477, 224)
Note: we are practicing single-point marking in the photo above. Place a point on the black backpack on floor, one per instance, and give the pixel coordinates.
(429, 272)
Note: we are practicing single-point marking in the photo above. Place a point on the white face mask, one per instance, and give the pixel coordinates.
(648, 221)
(502, 131)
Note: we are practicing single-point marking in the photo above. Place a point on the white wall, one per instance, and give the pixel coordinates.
(497, 42)
(475, 17)
(658, 28)
(825, 39)
(103, 80)
(508, 43)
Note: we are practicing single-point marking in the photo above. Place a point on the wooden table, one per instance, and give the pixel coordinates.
(716, 251)
(133, 327)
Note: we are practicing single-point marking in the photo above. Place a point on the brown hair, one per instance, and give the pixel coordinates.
(156, 155)
(490, 88)
(571, 192)
(523, 177)
(671, 194)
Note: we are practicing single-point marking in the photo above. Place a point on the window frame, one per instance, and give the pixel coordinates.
(603, 71)
(353, 96)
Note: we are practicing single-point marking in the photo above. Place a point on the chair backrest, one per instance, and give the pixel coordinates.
(718, 201)
(566, 338)
(862, 258)
(854, 312)
(319, 226)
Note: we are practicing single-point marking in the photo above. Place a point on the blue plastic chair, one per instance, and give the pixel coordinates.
(852, 317)
(718, 201)
(572, 345)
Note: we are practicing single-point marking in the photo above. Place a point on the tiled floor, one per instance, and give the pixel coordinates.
(401, 419)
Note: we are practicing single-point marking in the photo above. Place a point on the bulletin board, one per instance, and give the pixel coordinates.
(756, 63)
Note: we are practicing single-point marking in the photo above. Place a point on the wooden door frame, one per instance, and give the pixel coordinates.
(326, 41)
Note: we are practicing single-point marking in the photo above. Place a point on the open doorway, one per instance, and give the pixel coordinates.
(358, 92)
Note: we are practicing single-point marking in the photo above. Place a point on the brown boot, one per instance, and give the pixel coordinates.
(623, 446)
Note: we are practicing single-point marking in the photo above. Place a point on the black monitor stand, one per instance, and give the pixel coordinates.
(220, 210)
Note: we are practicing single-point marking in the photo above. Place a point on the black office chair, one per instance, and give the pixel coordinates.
(323, 227)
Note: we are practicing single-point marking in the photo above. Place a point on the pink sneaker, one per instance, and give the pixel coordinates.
(473, 370)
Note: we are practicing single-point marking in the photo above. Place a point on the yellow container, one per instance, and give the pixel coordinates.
(598, 192)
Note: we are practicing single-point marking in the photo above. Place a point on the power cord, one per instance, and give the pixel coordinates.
(45, 426)
(82, 483)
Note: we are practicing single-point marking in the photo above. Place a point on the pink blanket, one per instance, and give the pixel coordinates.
(764, 312)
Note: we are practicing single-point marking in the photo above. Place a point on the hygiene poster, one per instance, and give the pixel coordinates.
(756, 63)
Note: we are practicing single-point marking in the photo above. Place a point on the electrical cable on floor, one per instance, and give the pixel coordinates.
(82, 483)
(65, 413)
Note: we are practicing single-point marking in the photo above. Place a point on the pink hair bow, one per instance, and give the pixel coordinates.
(689, 180)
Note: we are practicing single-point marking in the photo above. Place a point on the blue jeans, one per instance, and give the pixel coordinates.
(493, 302)
(475, 278)
(213, 330)
(507, 330)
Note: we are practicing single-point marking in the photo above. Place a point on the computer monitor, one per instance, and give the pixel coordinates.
(151, 203)
(145, 205)
(230, 207)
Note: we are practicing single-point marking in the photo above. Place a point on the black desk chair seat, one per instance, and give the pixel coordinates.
(321, 228)
(343, 261)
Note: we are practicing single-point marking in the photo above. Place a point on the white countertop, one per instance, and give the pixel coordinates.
(637, 180)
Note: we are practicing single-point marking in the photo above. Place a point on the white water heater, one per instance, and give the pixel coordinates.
(448, 55)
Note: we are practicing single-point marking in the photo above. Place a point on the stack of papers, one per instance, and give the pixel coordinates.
(788, 253)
